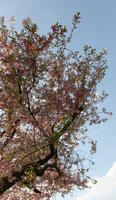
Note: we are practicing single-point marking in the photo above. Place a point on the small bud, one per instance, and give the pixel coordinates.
(105, 50)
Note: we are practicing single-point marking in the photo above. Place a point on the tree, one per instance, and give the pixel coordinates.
(47, 99)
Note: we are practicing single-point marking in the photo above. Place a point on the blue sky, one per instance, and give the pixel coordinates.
(97, 28)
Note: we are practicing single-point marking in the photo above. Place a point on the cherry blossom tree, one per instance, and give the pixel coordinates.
(48, 98)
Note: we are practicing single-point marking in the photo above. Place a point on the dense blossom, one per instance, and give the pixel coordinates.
(48, 97)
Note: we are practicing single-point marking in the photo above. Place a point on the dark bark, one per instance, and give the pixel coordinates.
(5, 184)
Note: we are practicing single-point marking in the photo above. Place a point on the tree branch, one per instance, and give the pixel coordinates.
(57, 135)
(5, 184)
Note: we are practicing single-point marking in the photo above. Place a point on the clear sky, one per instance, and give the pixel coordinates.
(97, 28)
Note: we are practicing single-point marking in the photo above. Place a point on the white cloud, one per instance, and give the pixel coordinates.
(105, 189)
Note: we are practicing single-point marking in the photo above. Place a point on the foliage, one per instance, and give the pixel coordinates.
(48, 97)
